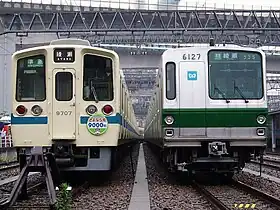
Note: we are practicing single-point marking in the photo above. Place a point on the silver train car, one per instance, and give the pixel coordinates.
(71, 99)
(209, 110)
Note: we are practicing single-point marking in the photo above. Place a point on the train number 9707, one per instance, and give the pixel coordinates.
(63, 113)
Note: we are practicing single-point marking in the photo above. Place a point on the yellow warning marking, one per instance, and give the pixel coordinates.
(245, 206)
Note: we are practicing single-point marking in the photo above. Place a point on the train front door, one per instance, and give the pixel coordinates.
(192, 101)
(64, 104)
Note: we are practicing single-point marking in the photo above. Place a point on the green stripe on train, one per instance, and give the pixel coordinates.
(224, 117)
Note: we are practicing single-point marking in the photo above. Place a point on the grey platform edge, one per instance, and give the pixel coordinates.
(140, 198)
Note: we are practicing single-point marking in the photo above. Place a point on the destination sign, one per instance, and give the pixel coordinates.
(32, 62)
(234, 56)
(64, 55)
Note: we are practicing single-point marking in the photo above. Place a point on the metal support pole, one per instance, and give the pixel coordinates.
(273, 139)
(22, 162)
(261, 162)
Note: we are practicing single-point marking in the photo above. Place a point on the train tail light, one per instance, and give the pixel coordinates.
(21, 110)
(107, 110)
(91, 109)
(36, 110)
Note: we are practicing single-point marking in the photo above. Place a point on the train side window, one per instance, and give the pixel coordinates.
(64, 86)
(170, 73)
(97, 78)
(31, 79)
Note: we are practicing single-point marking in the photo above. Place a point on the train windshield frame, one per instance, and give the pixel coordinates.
(31, 79)
(235, 75)
(98, 81)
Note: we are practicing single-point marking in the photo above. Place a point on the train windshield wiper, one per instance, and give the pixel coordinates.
(240, 92)
(220, 92)
(92, 89)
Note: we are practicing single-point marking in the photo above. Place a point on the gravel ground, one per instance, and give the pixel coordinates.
(6, 189)
(267, 186)
(9, 173)
(230, 195)
(111, 193)
(38, 197)
(265, 169)
(114, 193)
(165, 192)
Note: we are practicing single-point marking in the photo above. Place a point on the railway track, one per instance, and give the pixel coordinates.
(7, 166)
(276, 154)
(30, 190)
(221, 197)
(38, 191)
(270, 163)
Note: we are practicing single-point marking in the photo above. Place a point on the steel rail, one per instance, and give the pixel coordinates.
(262, 195)
(210, 197)
(266, 164)
(7, 167)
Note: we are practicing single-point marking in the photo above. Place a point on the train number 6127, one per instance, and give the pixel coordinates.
(191, 56)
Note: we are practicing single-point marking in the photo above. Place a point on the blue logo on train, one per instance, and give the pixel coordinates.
(192, 75)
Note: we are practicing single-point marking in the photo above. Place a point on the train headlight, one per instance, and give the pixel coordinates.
(107, 110)
(169, 120)
(21, 110)
(261, 119)
(91, 109)
(36, 110)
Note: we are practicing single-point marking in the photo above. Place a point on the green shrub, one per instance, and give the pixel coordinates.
(64, 199)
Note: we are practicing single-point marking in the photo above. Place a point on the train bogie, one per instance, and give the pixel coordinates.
(68, 98)
(209, 109)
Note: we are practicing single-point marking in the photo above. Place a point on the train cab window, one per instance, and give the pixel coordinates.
(235, 75)
(98, 78)
(170, 71)
(64, 86)
(31, 79)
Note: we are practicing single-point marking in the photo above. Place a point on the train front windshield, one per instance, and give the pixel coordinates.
(235, 75)
(31, 79)
(98, 78)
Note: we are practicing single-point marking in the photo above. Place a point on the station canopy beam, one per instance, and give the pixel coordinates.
(242, 27)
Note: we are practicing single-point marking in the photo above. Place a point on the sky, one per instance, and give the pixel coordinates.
(238, 4)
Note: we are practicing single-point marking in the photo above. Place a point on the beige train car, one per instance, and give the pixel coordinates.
(70, 97)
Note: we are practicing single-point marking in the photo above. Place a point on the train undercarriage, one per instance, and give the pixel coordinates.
(70, 157)
(211, 157)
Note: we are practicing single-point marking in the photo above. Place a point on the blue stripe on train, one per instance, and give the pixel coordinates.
(28, 120)
(118, 119)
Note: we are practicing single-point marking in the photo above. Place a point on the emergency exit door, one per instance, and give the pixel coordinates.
(64, 104)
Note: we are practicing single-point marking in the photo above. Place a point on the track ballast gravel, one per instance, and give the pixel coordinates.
(230, 195)
(9, 173)
(165, 192)
(114, 193)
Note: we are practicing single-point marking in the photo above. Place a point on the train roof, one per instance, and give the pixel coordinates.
(71, 43)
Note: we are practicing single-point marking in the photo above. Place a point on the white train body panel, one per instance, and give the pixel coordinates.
(213, 94)
(70, 87)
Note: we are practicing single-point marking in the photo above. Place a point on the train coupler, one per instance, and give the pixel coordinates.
(182, 167)
(217, 148)
(36, 162)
